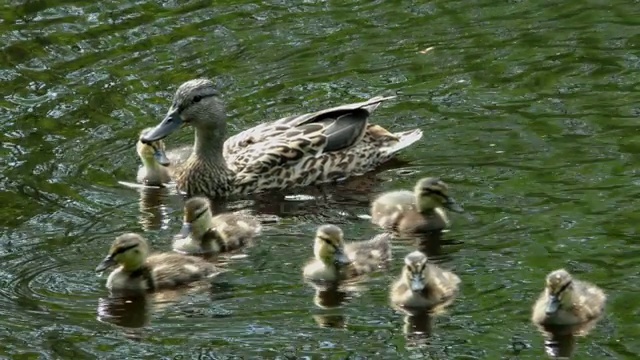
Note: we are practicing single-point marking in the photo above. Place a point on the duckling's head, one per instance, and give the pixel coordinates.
(197, 217)
(129, 250)
(329, 246)
(431, 193)
(559, 286)
(416, 271)
(198, 103)
(152, 152)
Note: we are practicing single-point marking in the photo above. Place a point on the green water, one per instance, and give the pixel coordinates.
(530, 112)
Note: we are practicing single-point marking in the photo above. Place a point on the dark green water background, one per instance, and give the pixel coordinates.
(530, 112)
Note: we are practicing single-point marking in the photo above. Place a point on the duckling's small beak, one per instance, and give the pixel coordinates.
(169, 124)
(161, 157)
(185, 231)
(106, 263)
(416, 284)
(341, 258)
(453, 205)
(553, 305)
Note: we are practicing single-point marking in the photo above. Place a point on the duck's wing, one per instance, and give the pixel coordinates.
(292, 139)
(328, 130)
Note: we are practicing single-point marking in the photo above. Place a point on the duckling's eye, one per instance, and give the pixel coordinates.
(197, 98)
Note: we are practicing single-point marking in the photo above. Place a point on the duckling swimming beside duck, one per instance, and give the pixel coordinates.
(418, 212)
(157, 163)
(202, 233)
(139, 271)
(568, 301)
(334, 260)
(294, 151)
(423, 286)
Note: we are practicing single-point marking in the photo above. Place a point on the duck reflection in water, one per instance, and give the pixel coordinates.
(560, 340)
(417, 328)
(127, 311)
(153, 208)
(330, 299)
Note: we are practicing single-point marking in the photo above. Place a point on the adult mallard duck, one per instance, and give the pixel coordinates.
(567, 301)
(293, 151)
(157, 163)
(140, 272)
(423, 286)
(336, 261)
(415, 212)
(205, 234)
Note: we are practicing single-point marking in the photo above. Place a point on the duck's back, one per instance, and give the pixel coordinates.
(387, 208)
(171, 269)
(312, 148)
(237, 229)
(589, 300)
(370, 255)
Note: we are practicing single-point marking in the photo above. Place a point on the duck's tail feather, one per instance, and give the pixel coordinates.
(374, 102)
(405, 139)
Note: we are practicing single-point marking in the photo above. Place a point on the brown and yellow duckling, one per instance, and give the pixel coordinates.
(155, 170)
(334, 260)
(205, 234)
(567, 301)
(158, 164)
(423, 286)
(139, 271)
(418, 212)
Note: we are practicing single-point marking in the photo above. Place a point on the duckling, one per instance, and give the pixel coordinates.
(336, 261)
(155, 164)
(140, 272)
(158, 164)
(202, 233)
(567, 301)
(423, 285)
(418, 212)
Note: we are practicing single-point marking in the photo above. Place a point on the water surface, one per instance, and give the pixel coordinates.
(529, 111)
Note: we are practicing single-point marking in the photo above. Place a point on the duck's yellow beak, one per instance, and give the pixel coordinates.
(169, 124)
(185, 231)
(416, 284)
(106, 263)
(453, 205)
(553, 305)
(161, 157)
(341, 259)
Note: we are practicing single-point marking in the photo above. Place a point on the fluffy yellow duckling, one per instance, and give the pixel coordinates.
(567, 301)
(418, 212)
(423, 286)
(155, 169)
(202, 233)
(336, 261)
(141, 272)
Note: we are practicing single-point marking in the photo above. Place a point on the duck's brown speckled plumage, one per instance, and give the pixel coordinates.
(567, 301)
(334, 260)
(420, 211)
(432, 286)
(205, 234)
(137, 271)
(290, 152)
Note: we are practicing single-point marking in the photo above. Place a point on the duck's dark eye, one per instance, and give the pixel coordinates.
(197, 98)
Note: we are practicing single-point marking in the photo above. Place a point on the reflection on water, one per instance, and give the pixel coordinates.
(418, 328)
(560, 340)
(125, 311)
(153, 208)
